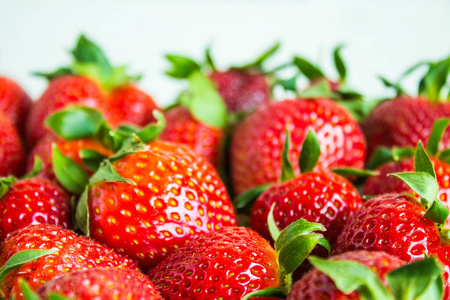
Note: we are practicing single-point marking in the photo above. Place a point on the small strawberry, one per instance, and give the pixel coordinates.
(405, 120)
(12, 155)
(14, 102)
(70, 253)
(369, 275)
(110, 283)
(93, 82)
(257, 144)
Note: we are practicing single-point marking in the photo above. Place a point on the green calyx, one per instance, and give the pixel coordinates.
(29, 294)
(89, 60)
(7, 182)
(423, 182)
(418, 280)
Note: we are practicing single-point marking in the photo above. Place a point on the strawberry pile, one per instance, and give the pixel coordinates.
(228, 193)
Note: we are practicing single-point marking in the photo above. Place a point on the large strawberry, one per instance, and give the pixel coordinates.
(236, 263)
(258, 141)
(91, 81)
(14, 102)
(405, 120)
(69, 252)
(12, 155)
(110, 283)
(369, 275)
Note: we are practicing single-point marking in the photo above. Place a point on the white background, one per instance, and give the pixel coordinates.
(382, 36)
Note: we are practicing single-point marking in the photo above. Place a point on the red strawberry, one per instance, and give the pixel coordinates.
(12, 156)
(32, 201)
(111, 283)
(257, 141)
(91, 81)
(153, 199)
(14, 102)
(223, 264)
(316, 285)
(183, 128)
(73, 253)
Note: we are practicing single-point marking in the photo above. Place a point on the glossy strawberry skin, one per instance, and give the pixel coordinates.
(33, 201)
(74, 253)
(317, 286)
(393, 223)
(403, 122)
(321, 197)
(177, 195)
(71, 149)
(242, 90)
(258, 141)
(181, 127)
(110, 283)
(382, 183)
(14, 102)
(227, 263)
(12, 155)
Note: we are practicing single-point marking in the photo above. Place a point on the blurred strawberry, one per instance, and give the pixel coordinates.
(12, 156)
(91, 81)
(14, 102)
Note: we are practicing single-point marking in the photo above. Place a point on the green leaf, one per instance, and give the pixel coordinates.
(20, 258)
(205, 103)
(296, 228)
(319, 90)
(249, 197)
(152, 131)
(289, 84)
(417, 279)
(182, 67)
(422, 183)
(350, 276)
(309, 156)
(308, 69)
(68, 172)
(5, 184)
(37, 168)
(339, 63)
(257, 64)
(422, 162)
(384, 155)
(91, 158)
(287, 170)
(274, 292)
(82, 215)
(396, 86)
(436, 135)
(435, 79)
(28, 293)
(53, 296)
(75, 122)
(87, 51)
(273, 228)
(209, 59)
(349, 172)
(109, 138)
(52, 75)
(437, 213)
(444, 156)
(106, 172)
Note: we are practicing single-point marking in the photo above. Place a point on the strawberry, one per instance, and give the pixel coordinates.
(70, 253)
(369, 275)
(91, 81)
(12, 156)
(405, 120)
(14, 102)
(111, 283)
(32, 201)
(151, 199)
(257, 142)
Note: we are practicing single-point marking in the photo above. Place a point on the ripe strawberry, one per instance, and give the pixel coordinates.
(32, 201)
(93, 82)
(14, 102)
(12, 156)
(257, 141)
(152, 199)
(111, 283)
(73, 253)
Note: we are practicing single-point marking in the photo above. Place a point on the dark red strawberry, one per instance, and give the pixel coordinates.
(32, 201)
(258, 141)
(14, 102)
(12, 156)
(111, 283)
(152, 199)
(93, 82)
(73, 253)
